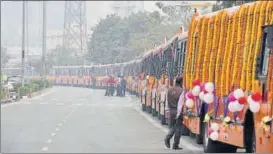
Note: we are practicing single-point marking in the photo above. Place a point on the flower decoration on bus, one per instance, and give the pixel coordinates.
(254, 102)
(266, 122)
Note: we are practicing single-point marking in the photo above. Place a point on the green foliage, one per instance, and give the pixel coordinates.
(3, 94)
(176, 14)
(58, 57)
(25, 90)
(117, 39)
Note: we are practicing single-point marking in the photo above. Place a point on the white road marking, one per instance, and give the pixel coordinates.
(57, 129)
(44, 103)
(55, 99)
(53, 134)
(49, 141)
(60, 124)
(64, 120)
(45, 148)
(165, 130)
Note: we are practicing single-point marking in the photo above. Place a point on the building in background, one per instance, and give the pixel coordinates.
(54, 39)
(33, 53)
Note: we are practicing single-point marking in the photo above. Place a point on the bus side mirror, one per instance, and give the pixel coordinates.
(270, 37)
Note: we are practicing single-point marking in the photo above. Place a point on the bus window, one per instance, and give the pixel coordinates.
(183, 55)
(263, 59)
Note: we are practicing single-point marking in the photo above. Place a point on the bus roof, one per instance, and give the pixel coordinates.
(229, 11)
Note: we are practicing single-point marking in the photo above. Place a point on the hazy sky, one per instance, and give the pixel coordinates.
(11, 15)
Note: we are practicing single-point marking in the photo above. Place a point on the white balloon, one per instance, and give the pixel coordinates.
(189, 103)
(196, 90)
(254, 107)
(208, 98)
(214, 126)
(238, 93)
(214, 136)
(209, 87)
(201, 95)
(238, 106)
(231, 107)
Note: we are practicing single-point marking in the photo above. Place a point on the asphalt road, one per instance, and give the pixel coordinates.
(68, 120)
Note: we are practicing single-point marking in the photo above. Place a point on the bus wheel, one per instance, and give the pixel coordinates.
(199, 137)
(143, 107)
(251, 148)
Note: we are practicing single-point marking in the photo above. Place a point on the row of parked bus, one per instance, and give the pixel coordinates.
(226, 60)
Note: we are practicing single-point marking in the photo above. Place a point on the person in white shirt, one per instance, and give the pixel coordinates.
(175, 100)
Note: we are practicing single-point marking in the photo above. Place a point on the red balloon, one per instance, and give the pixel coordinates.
(231, 97)
(202, 86)
(242, 100)
(195, 82)
(256, 96)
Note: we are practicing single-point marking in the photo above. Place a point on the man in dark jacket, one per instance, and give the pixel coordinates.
(175, 123)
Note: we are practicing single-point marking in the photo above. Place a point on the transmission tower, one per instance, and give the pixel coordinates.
(75, 27)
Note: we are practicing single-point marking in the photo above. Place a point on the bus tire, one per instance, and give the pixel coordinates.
(249, 133)
(199, 137)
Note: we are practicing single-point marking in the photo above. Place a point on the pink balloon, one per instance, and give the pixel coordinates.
(202, 86)
(231, 97)
(190, 95)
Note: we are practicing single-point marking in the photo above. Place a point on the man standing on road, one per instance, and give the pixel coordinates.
(123, 86)
(175, 97)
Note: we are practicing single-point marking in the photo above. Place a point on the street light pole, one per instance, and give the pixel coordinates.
(23, 41)
(44, 41)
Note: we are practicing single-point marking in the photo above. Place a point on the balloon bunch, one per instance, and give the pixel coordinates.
(213, 131)
(253, 101)
(206, 93)
(190, 96)
(237, 100)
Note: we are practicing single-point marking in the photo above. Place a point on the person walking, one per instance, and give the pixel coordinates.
(123, 86)
(175, 98)
(110, 86)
